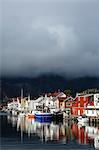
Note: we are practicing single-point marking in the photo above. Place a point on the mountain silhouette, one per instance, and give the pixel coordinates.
(11, 87)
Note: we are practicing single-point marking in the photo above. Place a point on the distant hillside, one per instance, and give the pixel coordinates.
(10, 87)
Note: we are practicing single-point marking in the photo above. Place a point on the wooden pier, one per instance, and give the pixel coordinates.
(94, 120)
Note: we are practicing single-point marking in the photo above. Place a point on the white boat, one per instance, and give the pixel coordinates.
(21, 114)
(30, 114)
(82, 124)
(82, 119)
(14, 113)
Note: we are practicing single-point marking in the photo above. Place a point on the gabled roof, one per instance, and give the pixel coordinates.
(39, 99)
(59, 96)
(53, 94)
(69, 98)
(83, 95)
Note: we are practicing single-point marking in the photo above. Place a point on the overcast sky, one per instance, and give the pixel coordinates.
(49, 36)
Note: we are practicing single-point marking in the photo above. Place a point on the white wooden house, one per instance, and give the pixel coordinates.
(93, 110)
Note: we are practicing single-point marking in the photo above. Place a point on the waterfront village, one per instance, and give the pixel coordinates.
(56, 116)
(84, 106)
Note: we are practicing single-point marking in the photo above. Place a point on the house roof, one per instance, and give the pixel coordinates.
(83, 95)
(59, 96)
(39, 99)
(69, 98)
(53, 94)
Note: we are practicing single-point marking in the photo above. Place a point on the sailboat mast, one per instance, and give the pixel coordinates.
(21, 98)
(22, 93)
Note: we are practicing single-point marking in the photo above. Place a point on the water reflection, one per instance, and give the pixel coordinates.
(61, 132)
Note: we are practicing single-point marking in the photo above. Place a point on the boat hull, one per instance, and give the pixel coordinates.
(43, 115)
(82, 120)
(30, 116)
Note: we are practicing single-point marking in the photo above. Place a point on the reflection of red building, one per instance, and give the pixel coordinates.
(80, 104)
(80, 134)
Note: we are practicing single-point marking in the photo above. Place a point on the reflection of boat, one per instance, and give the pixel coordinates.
(82, 124)
(45, 120)
(96, 142)
(30, 115)
(82, 119)
(93, 133)
(14, 113)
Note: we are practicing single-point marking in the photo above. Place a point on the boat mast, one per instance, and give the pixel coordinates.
(21, 97)
(28, 97)
(29, 101)
(21, 93)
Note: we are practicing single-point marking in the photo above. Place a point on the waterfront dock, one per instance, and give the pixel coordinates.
(94, 120)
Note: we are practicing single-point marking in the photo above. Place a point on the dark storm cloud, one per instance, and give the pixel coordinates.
(59, 37)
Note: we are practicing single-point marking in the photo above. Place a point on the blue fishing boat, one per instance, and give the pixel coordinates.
(43, 115)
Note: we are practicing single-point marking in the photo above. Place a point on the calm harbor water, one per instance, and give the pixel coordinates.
(19, 133)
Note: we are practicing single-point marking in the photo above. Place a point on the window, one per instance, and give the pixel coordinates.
(92, 111)
(68, 104)
(78, 112)
(78, 104)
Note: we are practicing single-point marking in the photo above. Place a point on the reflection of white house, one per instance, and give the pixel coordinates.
(46, 131)
(93, 110)
(93, 133)
(96, 142)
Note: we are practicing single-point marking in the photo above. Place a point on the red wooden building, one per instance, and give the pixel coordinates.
(81, 102)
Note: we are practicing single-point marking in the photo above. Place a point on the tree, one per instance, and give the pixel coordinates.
(68, 92)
